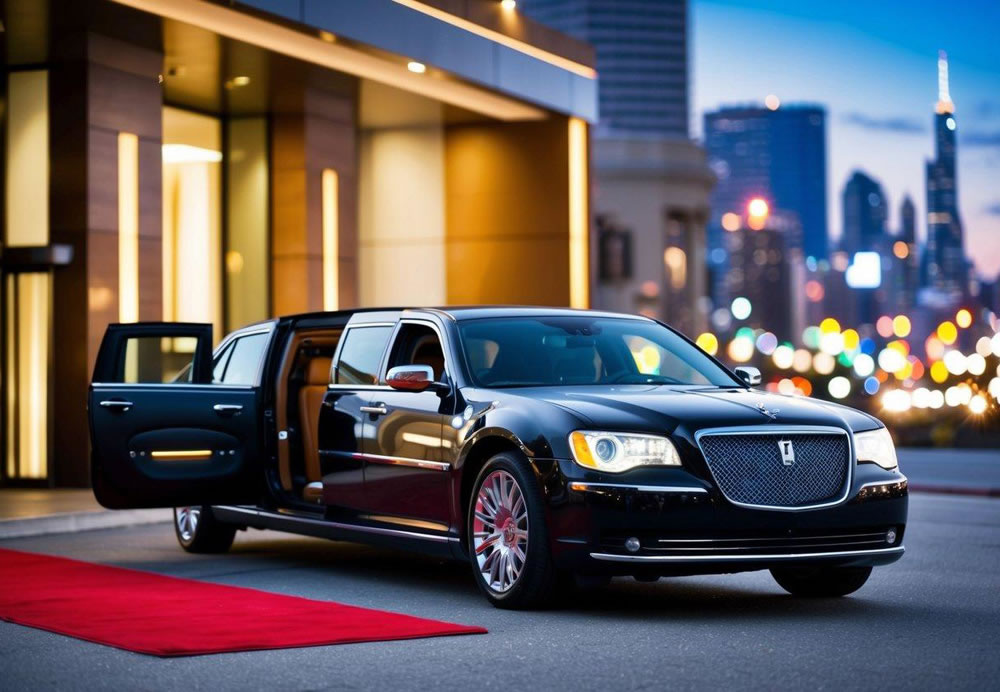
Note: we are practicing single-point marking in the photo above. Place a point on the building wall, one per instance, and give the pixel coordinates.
(402, 214)
(507, 202)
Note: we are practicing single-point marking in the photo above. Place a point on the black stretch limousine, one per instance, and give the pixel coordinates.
(547, 447)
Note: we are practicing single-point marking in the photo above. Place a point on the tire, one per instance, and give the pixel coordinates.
(513, 566)
(821, 582)
(198, 531)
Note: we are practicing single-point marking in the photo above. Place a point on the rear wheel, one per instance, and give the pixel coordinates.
(821, 582)
(198, 531)
(507, 537)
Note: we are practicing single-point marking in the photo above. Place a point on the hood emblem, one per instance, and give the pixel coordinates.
(770, 413)
(787, 452)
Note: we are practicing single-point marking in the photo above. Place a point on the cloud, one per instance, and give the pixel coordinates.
(894, 124)
(981, 138)
(993, 209)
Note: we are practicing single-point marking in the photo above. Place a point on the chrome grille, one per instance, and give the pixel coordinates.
(749, 469)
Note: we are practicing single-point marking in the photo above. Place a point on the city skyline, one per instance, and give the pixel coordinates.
(879, 121)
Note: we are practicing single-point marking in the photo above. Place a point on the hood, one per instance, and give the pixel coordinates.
(663, 408)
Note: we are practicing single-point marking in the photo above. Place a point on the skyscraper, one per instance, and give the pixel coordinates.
(945, 264)
(865, 215)
(776, 152)
(642, 59)
(651, 182)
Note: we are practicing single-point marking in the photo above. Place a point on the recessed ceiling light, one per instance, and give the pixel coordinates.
(418, 67)
(508, 4)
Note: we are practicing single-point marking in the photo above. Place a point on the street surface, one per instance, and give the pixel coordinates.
(931, 621)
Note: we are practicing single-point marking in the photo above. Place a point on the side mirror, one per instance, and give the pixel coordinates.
(410, 378)
(749, 375)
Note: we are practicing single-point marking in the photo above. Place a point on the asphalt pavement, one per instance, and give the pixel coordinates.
(930, 621)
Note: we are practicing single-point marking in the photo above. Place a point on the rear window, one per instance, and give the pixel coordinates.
(361, 354)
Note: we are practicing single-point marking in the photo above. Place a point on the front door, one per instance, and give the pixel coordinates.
(163, 434)
(345, 416)
(407, 475)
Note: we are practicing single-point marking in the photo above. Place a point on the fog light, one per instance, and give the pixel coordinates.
(632, 544)
(890, 536)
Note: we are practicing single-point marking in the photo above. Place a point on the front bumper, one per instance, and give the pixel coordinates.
(684, 525)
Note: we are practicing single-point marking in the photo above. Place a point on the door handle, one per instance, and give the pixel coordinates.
(117, 404)
(379, 410)
(227, 409)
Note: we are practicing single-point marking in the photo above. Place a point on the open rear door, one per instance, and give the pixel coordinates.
(162, 433)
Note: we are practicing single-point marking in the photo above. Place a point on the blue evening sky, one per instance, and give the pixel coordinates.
(874, 66)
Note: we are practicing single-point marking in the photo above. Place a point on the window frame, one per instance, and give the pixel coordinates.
(446, 371)
(230, 348)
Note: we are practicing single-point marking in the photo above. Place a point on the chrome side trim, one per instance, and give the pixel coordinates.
(398, 533)
(663, 489)
(768, 429)
(610, 557)
(391, 461)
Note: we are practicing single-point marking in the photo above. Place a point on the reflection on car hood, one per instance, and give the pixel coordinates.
(663, 407)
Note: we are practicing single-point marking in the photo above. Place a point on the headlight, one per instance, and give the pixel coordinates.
(617, 452)
(876, 446)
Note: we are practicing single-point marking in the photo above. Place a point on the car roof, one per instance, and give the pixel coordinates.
(475, 312)
(458, 313)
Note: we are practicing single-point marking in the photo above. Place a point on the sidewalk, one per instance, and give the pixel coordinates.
(25, 512)
(952, 471)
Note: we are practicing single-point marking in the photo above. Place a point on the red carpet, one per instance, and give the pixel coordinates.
(167, 616)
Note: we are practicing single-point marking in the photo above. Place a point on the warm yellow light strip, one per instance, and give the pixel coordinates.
(182, 454)
(331, 240)
(335, 56)
(128, 227)
(502, 39)
(579, 225)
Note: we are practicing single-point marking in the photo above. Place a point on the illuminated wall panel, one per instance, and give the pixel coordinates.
(128, 227)
(331, 239)
(579, 216)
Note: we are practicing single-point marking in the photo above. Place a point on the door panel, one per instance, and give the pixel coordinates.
(407, 476)
(408, 433)
(341, 435)
(164, 444)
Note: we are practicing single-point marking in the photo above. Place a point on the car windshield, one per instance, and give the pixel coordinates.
(583, 350)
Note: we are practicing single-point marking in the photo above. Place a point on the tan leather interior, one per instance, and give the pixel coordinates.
(310, 400)
(427, 351)
(324, 337)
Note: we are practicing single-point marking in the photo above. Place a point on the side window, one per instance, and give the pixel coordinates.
(156, 360)
(360, 355)
(418, 344)
(241, 363)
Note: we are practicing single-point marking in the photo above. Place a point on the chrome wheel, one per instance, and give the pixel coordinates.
(500, 531)
(187, 522)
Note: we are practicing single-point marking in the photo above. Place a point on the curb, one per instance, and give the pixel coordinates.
(74, 522)
(954, 490)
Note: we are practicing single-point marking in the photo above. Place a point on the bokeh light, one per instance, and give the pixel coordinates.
(839, 387)
(741, 308)
(947, 333)
(963, 318)
(708, 343)
(901, 326)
